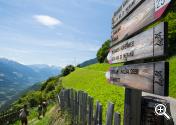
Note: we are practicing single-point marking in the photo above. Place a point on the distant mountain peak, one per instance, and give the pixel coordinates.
(15, 77)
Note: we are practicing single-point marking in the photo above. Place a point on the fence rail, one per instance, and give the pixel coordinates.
(81, 108)
(9, 117)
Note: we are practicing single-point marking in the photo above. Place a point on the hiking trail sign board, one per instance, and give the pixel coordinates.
(124, 10)
(148, 77)
(146, 13)
(148, 44)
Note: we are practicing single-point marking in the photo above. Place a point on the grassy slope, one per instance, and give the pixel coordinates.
(172, 77)
(92, 80)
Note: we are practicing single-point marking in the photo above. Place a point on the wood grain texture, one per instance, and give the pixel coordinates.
(117, 119)
(148, 77)
(109, 114)
(148, 44)
(90, 110)
(98, 114)
(126, 7)
(144, 15)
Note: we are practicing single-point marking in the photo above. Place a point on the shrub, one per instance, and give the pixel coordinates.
(67, 70)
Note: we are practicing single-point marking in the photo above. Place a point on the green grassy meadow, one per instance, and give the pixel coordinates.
(172, 77)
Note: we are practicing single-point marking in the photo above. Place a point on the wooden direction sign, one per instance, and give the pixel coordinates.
(148, 77)
(124, 10)
(148, 44)
(148, 12)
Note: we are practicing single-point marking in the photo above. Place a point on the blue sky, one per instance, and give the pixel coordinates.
(54, 32)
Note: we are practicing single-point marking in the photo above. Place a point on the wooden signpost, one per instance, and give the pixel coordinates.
(124, 10)
(148, 44)
(148, 77)
(148, 12)
(130, 43)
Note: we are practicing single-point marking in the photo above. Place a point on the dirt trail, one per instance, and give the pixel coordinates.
(35, 121)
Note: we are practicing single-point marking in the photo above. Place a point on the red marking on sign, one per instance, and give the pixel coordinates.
(159, 13)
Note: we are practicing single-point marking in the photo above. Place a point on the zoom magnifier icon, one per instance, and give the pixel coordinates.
(160, 110)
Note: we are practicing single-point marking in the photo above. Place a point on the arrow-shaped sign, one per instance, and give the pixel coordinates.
(148, 44)
(148, 77)
(148, 12)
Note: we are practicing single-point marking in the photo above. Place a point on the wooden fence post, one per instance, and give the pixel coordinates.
(132, 111)
(100, 111)
(90, 110)
(116, 118)
(62, 102)
(96, 114)
(76, 107)
(109, 114)
(84, 110)
(80, 107)
(72, 105)
(68, 100)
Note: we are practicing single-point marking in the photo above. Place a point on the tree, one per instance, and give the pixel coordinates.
(171, 19)
(67, 70)
(103, 52)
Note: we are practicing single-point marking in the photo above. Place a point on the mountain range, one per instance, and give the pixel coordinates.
(15, 77)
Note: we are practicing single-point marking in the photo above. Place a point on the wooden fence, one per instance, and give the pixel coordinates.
(9, 117)
(80, 106)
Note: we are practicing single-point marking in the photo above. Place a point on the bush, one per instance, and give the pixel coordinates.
(51, 79)
(67, 70)
(103, 52)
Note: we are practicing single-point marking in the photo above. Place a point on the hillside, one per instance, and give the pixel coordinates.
(92, 80)
(172, 78)
(16, 77)
(88, 62)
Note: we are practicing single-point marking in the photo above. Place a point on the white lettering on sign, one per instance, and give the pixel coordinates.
(160, 4)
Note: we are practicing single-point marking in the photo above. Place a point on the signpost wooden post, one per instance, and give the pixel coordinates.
(132, 111)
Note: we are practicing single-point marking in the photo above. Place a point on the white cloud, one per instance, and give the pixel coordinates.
(47, 20)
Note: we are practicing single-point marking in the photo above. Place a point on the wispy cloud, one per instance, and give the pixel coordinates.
(47, 20)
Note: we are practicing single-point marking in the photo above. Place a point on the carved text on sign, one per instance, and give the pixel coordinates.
(124, 10)
(148, 77)
(159, 39)
(150, 43)
(142, 16)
